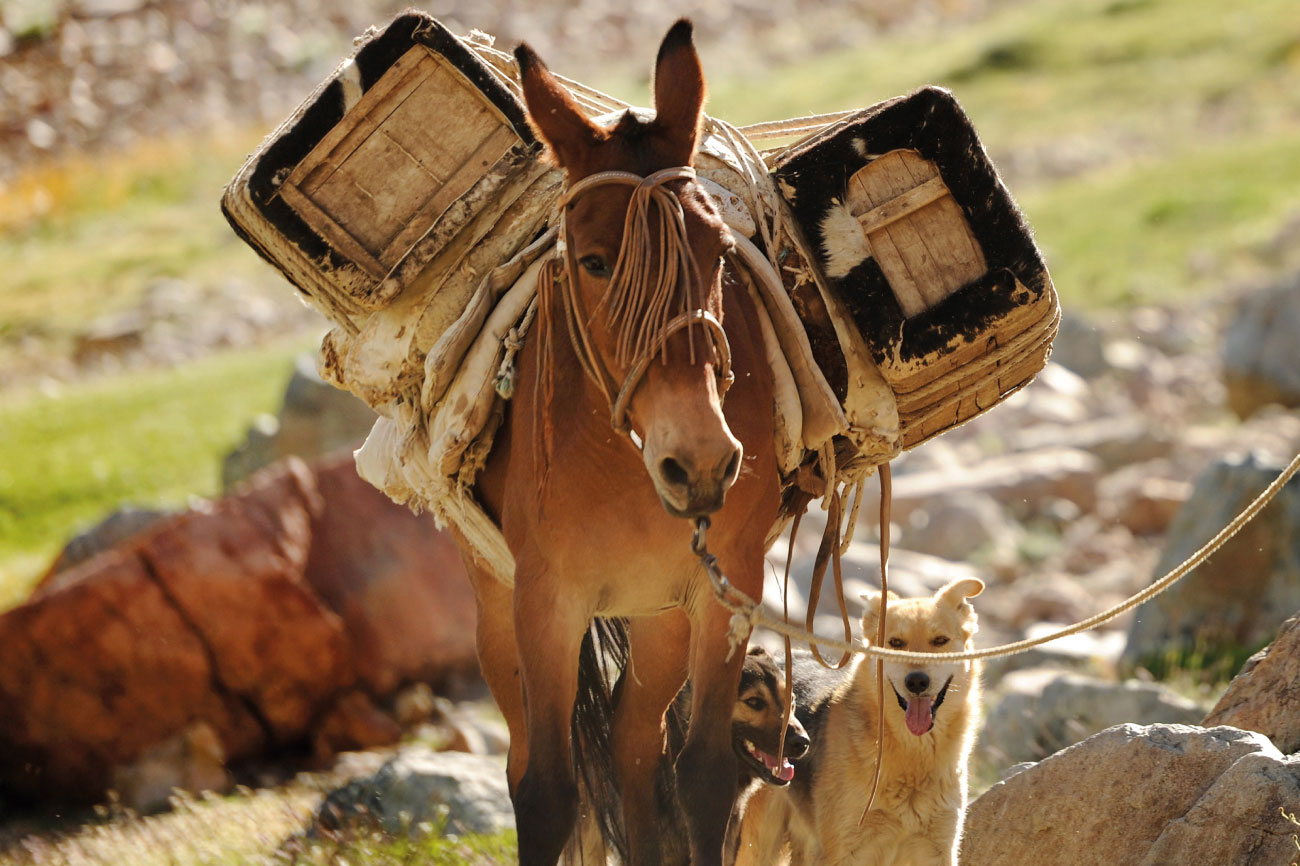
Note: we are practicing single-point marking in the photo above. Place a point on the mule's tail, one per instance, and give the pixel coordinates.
(603, 658)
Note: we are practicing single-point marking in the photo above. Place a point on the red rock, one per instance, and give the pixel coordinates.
(354, 723)
(397, 582)
(96, 673)
(235, 574)
(1265, 694)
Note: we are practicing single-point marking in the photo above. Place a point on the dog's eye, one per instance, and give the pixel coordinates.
(755, 703)
(595, 265)
(897, 643)
(939, 641)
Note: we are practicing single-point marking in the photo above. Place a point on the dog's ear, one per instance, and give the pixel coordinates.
(871, 613)
(759, 652)
(956, 593)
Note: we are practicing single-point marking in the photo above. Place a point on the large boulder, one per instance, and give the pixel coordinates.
(397, 582)
(1244, 592)
(1265, 695)
(203, 618)
(1261, 358)
(281, 615)
(1142, 796)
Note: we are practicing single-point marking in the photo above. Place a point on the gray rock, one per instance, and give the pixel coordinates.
(419, 787)
(1078, 346)
(1261, 356)
(1245, 591)
(1142, 796)
(1043, 711)
(958, 526)
(316, 419)
(1021, 482)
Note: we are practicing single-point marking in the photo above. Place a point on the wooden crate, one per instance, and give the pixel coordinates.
(377, 182)
(909, 226)
(412, 142)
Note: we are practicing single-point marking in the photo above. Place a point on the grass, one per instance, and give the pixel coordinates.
(153, 438)
(1151, 142)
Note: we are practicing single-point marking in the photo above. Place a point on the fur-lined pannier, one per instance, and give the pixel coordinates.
(405, 178)
(911, 227)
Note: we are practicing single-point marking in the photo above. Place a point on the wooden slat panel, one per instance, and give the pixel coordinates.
(943, 229)
(486, 154)
(376, 192)
(916, 230)
(333, 232)
(881, 180)
(374, 107)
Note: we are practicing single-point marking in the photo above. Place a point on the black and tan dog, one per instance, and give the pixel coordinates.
(755, 735)
(756, 722)
(930, 718)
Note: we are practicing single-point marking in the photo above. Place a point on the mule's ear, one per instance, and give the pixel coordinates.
(679, 91)
(956, 593)
(553, 112)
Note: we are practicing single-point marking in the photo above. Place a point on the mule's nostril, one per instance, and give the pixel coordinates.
(672, 472)
(916, 682)
(732, 465)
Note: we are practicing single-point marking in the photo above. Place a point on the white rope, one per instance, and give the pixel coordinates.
(738, 602)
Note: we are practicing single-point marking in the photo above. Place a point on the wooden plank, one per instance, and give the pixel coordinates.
(385, 96)
(887, 178)
(492, 149)
(338, 237)
(904, 205)
(945, 232)
(923, 244)
(377, 192)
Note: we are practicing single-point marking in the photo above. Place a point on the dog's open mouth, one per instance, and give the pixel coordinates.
(766, 765)
(918, 712)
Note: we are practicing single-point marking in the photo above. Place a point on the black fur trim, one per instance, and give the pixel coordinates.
(931, 122)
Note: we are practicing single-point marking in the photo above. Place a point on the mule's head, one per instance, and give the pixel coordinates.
(635, 268)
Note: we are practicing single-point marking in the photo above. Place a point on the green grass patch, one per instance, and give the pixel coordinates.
(82, 238)
(153, 438)
(1155, 231)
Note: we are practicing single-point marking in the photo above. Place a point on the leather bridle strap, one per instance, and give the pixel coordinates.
(578, 320)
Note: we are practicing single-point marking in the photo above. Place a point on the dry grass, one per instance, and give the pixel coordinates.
(250, 828)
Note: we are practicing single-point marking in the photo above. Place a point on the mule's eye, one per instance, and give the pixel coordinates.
(755, 703)
(939, 641)
(595, 265)
(897, 643)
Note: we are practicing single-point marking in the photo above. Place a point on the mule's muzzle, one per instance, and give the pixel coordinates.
(687, 490)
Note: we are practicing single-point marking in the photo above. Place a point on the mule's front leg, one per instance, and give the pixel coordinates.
(549, 634)
(707, 767)
(657, 669)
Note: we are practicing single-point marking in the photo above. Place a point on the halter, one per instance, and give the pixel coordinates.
(639, 342)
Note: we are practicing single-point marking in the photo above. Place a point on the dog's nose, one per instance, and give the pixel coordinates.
(917, 682)
(796, 743)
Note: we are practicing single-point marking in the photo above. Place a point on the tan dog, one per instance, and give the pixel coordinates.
(930, 715)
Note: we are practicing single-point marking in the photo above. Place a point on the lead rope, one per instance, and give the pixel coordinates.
(886, 502)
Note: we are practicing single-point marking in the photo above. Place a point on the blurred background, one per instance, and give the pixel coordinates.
(146, 353)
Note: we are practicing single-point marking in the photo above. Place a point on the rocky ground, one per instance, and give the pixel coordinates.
(1117, 462)
(82, 75)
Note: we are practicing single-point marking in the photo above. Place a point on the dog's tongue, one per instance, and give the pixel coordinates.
(785, 772)
(920, 715)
